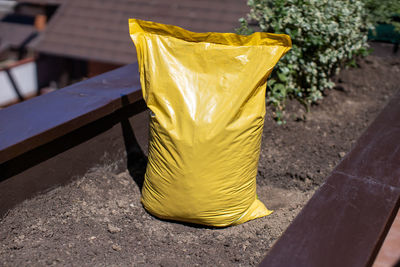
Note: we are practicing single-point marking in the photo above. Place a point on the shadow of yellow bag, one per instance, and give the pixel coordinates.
(206, 93)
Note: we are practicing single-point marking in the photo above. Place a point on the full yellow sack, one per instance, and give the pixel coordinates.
(206, 93)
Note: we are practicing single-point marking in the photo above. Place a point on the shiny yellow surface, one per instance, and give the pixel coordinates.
(206, 93)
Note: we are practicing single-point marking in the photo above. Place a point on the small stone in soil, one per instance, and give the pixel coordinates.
(342, 154)
(116, 247)
(113, 229)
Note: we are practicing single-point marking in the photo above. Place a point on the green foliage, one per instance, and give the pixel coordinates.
(383, 11)
(325, 35)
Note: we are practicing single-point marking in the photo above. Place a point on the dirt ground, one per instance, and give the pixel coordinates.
(98, 219)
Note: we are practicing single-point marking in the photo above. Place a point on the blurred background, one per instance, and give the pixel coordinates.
(49, 44)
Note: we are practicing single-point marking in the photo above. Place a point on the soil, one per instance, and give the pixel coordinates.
(98, 219)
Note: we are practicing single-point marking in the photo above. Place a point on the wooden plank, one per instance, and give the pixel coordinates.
(347, 219)
(38, 121)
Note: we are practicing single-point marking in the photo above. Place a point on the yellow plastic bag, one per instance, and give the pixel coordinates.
(206, 93)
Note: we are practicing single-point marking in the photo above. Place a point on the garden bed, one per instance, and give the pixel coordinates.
(98, 219)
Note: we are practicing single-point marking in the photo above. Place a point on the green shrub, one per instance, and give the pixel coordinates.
(383, 11)
(325, 34)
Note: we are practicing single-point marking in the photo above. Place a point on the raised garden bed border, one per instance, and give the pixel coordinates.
(69, 131)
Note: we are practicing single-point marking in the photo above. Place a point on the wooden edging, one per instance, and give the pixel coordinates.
(40, 120)
(347, 219)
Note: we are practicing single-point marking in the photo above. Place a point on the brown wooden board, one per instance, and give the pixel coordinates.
(347, 219)
(30, 124)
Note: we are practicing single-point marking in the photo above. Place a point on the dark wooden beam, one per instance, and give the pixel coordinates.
(347, 219)
(30, 124)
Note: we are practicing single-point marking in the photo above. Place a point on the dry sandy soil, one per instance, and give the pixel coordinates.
(98, 219)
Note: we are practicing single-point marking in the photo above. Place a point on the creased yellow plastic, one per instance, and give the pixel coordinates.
(206, 93)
